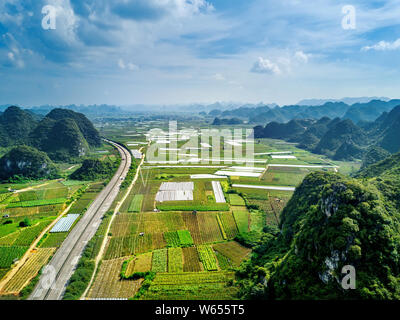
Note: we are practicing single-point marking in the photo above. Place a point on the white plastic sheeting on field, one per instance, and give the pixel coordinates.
(207, 176)
(65, 223)
(243, 169)
(175, 186)
(175, 191)
(283, 157)
(219, 194)
(277, 188)
(136, 154)
(239, 174)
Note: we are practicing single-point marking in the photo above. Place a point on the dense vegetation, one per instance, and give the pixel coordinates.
(95, 169)
(25, 162)
(63, 134)
(230, 121)
(330, 222)
(341, 139)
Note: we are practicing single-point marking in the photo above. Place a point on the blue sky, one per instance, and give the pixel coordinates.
(128, 52)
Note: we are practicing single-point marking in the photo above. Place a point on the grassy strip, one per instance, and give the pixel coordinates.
(36, 203)
(221, 226)
(136, 204)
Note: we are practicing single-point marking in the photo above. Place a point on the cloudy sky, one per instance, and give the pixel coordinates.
(181, 51)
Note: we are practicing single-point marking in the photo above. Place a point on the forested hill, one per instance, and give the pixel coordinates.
(341, 139)
(333, 221)
(62, 134)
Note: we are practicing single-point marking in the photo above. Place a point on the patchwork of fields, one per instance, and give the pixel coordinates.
(26, 212)
(182, 229)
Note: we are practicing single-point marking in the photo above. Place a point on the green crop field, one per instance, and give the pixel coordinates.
(172, 239)
(160, 261)
(185, 238)
(236, 200)
(36, 203)
(136, 204)
(192, 286)
(207, 257)
(175, 260)
(53, 240)
(9, 254)
(241, 215)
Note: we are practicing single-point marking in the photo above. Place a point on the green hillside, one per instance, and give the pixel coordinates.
(26, 163)
(330, 222)
(63, 134)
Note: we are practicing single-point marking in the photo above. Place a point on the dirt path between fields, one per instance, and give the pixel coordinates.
(105, 240)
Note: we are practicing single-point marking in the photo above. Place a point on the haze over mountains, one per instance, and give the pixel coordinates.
(358, 112)
(246, 111)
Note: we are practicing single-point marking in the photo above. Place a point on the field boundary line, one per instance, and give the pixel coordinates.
(22, 261)
(105, 240)
(34, 187)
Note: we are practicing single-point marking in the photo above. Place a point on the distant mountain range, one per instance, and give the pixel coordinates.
(349, 101)
(358, 112)
(340, 139)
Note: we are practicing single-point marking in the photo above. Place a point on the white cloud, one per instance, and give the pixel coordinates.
(266, 66)
(301, 56)
(130, 66)
(383, 46)
(121, 64)
(219, 77)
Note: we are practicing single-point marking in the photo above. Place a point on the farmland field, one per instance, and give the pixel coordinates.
(9, 254)
(136, 204)
(189, 244)
(28, 271)
(142, 263)
(160, 261)
(108, 284)
(236, 200)
(191, 260)
(241, 215)
(233, 251)
(175, 260)
(207, 258)
(192, 286)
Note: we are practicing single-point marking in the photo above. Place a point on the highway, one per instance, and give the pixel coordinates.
(56, 274)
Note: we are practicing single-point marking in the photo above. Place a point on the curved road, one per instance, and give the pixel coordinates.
(57, 273)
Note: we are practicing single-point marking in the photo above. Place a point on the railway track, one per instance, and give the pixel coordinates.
(56, 275)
